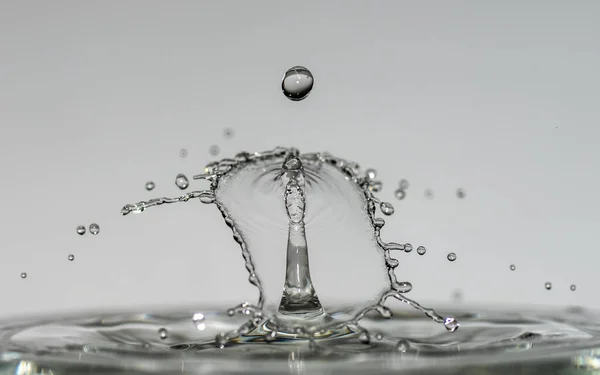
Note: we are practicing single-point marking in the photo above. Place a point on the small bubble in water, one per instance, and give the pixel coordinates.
(183, 153)
(402, 346)
(513, 267)
(451, 257)
(460, 193)
(71, 257)
(548, 285)
(404, 184)
(163, 334)
(400, 194)
(297, 83)
(198, 320)
(181, 181)
(228, 133)
(386, 208)
(23, 275)
(451, 324)
(214, 150)
(150, 185)
(364, 337)
(408, 247)
(573, 287)
(421, 250)
(81, 230)
(94, 228)
(371, 173)
(429, 194)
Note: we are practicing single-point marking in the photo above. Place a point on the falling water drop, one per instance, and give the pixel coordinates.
(364, 337)
(94, 228)
(386, 208)
(460, 193)
(371, 174)
(198, 320)
(297, 83)
(81, 230)
(181, 181)
(400, 194)
(163, 334)
(228, 133)
(23, 275)
(402, 346)
(548, 285)
(451, 324)
(421, 250)
(150, 185)
(214, 150)
(513, 267)
(408, 247)
(451, 257)
(404, 184)
(573, 287)
(71, 257)
(183, 153)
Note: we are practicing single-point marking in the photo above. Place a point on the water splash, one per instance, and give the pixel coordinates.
(300, 313)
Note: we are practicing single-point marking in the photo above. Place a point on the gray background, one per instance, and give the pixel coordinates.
(497, 97)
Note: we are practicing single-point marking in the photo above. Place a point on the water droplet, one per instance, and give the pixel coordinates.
(573, 287)
(81, 230)
(404, 184)
(386, 208)
(548, 285)
(214, 150)
(408, 247)
(375, 186)
(421, 250)
(460, 193)
(451, 324)
(228, 133)
(379, 337)
(451, 257)
(150, 185)
(371, 174)
(183, 153)
(297, 83)
(23, 275)
(181, 181)
(198, 320)
(364, 337)
(400, 194)
(403, 287)
(94, 228)
(402, 346)
(271, 336)
(513, 267)
(429, 194)
(71, 257)
(163, 334)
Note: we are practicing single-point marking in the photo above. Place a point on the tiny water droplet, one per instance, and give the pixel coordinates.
(150, 185)
(513, 267)
(375, 186)
(181, 181)
(400, 194)
(429, 194)
(198, 320)
(379, 337)
(460, 193)
(23, 275)
(408, 247)
(364, 337)
(183, 153)
(386, 208)
(71, 257)
(228, 133)
(421, 250)
(451, 324)
(163, 334)
(271, 336)
(404, 184)
(214, 150)
(94, 228)
(573, 287)
(451, 257)
(231, 312)
(402, 346)
(81, 230)
(297, 83)
(403, 287)
(371, 174)
(207, 197)
(548, 285)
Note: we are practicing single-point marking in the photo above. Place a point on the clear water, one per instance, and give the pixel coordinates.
(287, 211)
(297, 83)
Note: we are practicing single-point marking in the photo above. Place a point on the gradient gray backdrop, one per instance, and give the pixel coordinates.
(497, 97)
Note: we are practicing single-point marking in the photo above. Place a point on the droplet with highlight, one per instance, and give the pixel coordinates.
(451, 257)
(81, 230)
(297, 83)
(94, 228)
(181, 181)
